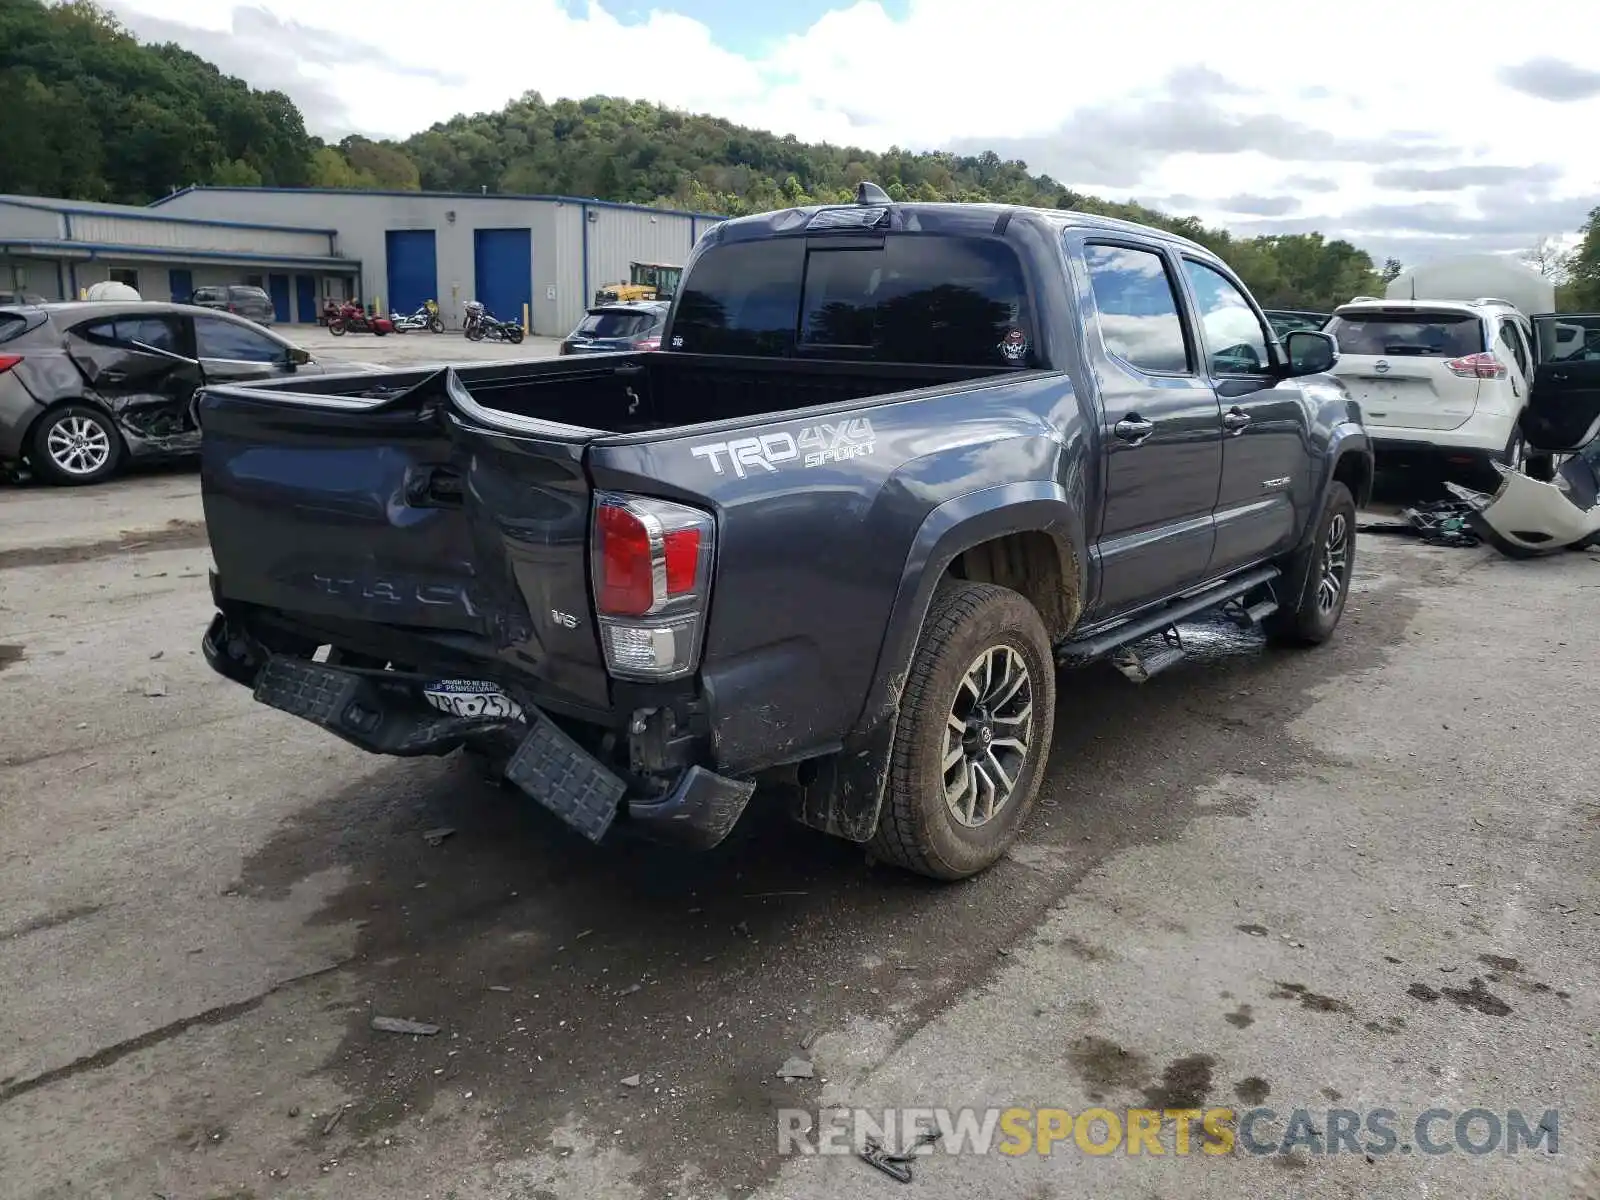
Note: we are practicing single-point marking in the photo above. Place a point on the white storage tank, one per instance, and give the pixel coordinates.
(1476, 277)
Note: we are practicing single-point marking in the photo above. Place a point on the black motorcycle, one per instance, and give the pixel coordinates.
(481, 325)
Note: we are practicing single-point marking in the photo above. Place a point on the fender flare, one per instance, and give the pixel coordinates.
(1346, 439)
(844, 795)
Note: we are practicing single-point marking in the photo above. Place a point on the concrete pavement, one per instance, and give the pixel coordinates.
(1243, 884)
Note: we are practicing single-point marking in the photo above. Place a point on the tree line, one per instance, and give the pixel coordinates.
(91, 113)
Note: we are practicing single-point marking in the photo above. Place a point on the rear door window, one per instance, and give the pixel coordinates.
(143, 332)
(1510, 344)
(924, 298)
(1413, 334)
(1138, 308)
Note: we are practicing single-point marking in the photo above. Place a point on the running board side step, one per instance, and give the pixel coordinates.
(1093, 646)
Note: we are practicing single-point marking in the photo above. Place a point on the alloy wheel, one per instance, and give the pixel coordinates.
(78, 445)
(1335, 563)
(987, 736)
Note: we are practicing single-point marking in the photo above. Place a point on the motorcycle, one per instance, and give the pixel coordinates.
(482, 325)
(427, 317)
(1553, 503)
(351, 318)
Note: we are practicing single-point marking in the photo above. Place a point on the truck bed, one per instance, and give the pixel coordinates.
(640, 393)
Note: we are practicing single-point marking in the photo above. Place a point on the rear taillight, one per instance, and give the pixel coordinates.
(648, 344)
(1477, 366)
(651, 562)
(7, 361)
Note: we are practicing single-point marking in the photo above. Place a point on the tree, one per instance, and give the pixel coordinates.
(1583, 287)
(1393, 268)
(1548, 257)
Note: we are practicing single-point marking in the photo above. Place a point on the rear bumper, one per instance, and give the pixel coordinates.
(410, 714)
(18, 409)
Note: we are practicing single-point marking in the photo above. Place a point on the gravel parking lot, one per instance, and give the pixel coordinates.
(1360, 877)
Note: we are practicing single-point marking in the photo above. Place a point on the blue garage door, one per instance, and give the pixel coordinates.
(278, 289)
(413, 270)
(305, 299)
(503, 266)
(180, 282)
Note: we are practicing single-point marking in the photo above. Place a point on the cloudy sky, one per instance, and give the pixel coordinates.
(1413, 130)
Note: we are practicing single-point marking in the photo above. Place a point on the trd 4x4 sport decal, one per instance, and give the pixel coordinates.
(812, 446)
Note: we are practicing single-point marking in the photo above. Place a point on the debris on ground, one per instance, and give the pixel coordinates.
(1436, 523)
(155, 687)
(896, 1166)
(157, 655)
(796, 1068)
(332, 1122)
(633, 1081)
(434, 836)
(805, 1042)
(401, 1025)
(498, 987)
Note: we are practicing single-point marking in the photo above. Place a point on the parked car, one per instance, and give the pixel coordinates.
(613, 327)
(1440, 382)
(86, 386)
(21, 298)
(891, 468)
(237, 298)
(1285, 321)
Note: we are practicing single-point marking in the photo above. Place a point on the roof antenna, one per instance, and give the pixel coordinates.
(870, 193)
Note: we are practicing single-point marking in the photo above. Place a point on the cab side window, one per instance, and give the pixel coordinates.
(1138, 307)
(1236, 342)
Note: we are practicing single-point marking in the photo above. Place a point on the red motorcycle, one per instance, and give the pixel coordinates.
(352, 318)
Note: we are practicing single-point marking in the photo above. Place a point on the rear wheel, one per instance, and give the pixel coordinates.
(436, 325)
(1328, 561)
(973, 736)
(75, 445)
(515, 335)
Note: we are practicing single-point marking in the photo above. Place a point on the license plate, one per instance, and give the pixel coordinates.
(472, 698)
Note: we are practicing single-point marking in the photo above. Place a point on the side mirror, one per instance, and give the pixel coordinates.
(298, 357)
(1310, 352)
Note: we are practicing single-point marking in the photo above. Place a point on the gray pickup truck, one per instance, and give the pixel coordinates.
(894, 465)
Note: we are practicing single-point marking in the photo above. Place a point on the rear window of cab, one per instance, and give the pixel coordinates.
(914, 298)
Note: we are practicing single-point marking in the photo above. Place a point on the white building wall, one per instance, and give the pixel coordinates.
(616, 237)
(37, 275)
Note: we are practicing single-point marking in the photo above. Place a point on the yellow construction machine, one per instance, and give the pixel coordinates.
(646, 281)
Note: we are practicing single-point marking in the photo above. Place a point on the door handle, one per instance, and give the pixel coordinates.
(1133, 428)
(1235, 419)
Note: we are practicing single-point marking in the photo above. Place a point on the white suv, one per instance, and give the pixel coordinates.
(1440, 382)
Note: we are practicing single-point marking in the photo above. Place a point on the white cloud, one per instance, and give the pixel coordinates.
(1221, 102)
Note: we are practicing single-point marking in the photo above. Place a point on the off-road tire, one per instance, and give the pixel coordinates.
(46, 468)
(916, 829)
(1300, 620)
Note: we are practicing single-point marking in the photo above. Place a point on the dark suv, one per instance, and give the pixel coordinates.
(623, 326)
(239, 299)
(86, 386)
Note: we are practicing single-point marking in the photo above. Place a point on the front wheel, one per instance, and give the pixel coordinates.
(973, 737)
(1328, 562)
(474, 333)
(75, 445)
(514, 335)
(436, 325)
(336, 327)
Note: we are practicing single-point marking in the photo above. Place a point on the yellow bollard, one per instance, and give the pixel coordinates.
(527, 324)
